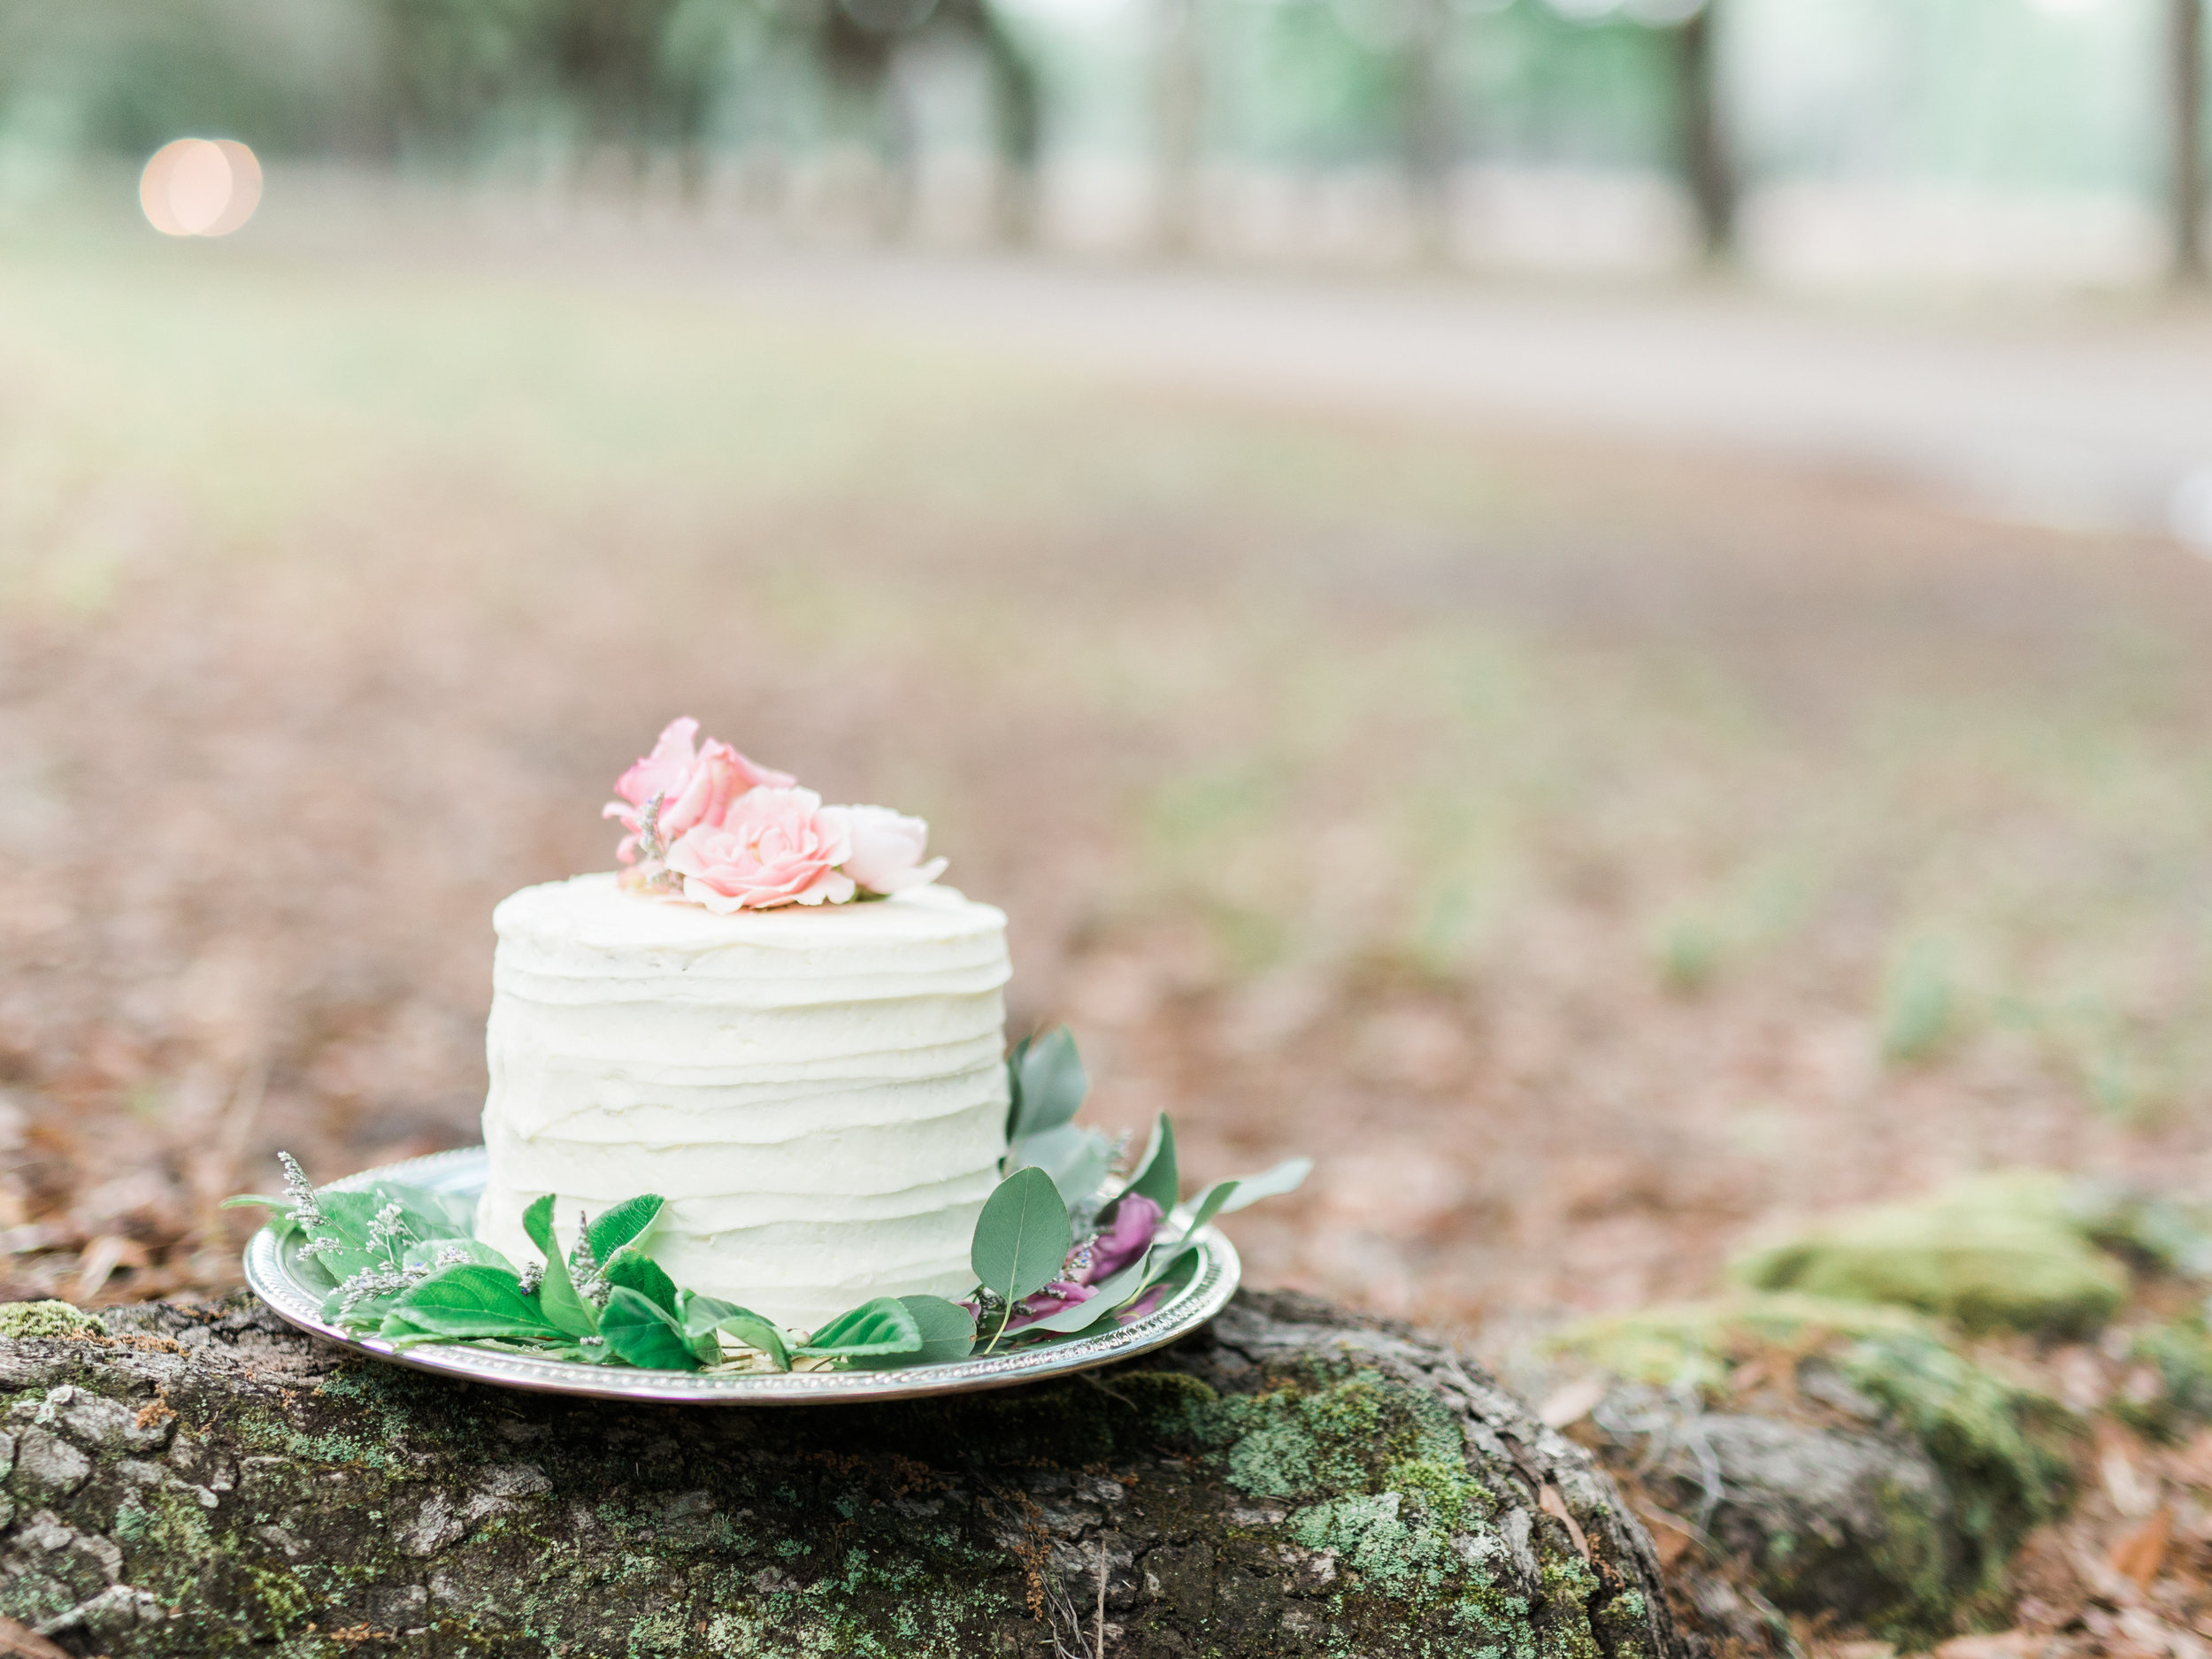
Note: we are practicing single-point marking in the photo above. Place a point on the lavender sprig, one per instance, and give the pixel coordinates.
(584, 1270)
(307, 1209)
(391, 1279)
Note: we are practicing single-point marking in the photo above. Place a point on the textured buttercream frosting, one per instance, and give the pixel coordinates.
(819, 1092)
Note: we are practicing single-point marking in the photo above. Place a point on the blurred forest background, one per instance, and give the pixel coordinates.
(1593, 845)
(2037, 139)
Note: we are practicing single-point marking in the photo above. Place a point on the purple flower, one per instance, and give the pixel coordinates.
(1136, 1218)
(1054, 1298)
(1144, 1305)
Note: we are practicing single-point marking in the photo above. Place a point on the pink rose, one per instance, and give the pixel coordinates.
(773, 845)
(695, 787)
(887, 849)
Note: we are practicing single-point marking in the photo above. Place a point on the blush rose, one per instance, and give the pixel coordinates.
(773, 845)
(887, 849)
(696, 785)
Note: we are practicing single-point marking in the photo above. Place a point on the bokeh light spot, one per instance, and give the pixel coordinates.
(200, 186)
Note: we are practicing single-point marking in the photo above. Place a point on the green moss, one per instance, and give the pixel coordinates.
(19, 1319)
(2004, 1449)
(1997, 1252)
(1389, 1493)
(2178, 1356)
(1696, 1344)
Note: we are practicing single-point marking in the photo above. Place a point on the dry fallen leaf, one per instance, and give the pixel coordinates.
(19, 1641)
(1572, 1401)
(1553, 1504)
(1671, 1537)
(2009, 1644)
(2133, 1492)
(2140, 1554)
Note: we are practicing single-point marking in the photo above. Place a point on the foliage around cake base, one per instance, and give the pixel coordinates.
(1053, 1262)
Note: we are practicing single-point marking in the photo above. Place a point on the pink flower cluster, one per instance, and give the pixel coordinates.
(701, 822)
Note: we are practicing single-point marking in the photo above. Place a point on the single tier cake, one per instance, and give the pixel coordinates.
(817, 1089)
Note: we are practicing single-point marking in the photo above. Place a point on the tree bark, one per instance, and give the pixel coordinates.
(1179, 116)
(1292, 1481)
(2185, 132)
(1707, 166)
(1428, 141)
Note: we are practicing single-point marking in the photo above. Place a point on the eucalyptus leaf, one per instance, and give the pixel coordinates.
(1014, 1088)
(948, 1335)
(639, 1272)
(1048, 1082)
(1076, 1158)
(621, 1224)
(1286, 1176)
(257, 1200)
(1022, 1237)
(878, 1327)
(1156, 1178)
(639, 1333)
(557, 1292)
(1086, 1314)
(1217, 1197)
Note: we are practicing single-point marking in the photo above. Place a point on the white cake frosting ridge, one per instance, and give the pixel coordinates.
(819, 1092)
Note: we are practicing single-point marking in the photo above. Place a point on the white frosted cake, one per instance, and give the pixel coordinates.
(817, 1089)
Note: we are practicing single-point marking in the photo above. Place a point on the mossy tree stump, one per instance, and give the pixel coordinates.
(1290, 1482)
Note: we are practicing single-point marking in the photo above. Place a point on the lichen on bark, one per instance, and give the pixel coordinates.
(1292, 1482)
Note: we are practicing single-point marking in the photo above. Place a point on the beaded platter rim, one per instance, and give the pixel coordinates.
(271, 1272)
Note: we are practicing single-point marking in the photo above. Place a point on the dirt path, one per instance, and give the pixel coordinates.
(2088, 414)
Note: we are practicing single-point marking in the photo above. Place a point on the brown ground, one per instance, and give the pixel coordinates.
(1590, 858)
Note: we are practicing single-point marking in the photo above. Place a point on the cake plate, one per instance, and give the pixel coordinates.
(273, 1268)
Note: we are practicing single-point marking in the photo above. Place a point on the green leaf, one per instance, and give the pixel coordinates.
(473, 1300)
(429, 1214)
(621, 1224)
(346, 1218)
(280, 1209)
(1022, 1237)
(483, 1254)
(1014, 1088)
(1048, 1084)
(557, 1292)
(639, 1272)
(881, 1327)
(703, 1315)
(1156, 1178)
(1083, 1315)
(948, 1335)
(1217, 1197)
(1286, 1176)
(1077, 1159)
(639, 1333)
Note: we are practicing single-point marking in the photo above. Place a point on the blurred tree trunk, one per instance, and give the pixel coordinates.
(1178, 124)
(1017, 130)
(1429, 141)
(2185, 132)
(1707, 166)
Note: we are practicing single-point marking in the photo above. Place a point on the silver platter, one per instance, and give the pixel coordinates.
(272, 1270)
